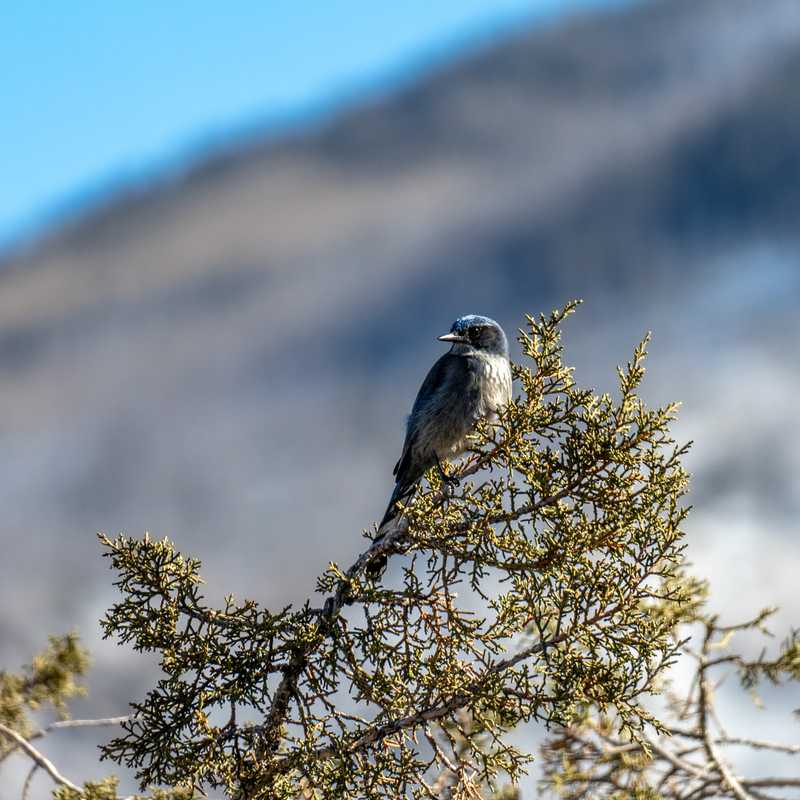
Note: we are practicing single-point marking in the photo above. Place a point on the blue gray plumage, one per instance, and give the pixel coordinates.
(471, 381)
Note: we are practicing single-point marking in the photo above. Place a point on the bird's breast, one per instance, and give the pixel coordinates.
(495, 379)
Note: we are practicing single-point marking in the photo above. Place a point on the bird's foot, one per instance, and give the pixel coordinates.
(449, 482)
(449, 486)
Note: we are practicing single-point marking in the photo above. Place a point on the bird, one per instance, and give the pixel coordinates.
(471, 381)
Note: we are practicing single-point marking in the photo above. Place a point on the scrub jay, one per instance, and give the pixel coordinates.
(471, 381)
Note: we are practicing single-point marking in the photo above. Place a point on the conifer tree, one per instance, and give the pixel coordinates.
(548, 588)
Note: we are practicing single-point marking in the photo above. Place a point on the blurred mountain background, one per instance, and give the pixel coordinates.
(203, 354)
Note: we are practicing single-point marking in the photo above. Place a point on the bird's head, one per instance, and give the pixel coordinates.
(473, 332)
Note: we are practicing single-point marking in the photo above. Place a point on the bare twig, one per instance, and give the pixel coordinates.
(70, 723)
(81, 723)
(705, 709)
(40, 759)
(756, 744)
(27, 785)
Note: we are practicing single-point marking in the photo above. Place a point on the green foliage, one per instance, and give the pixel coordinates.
(51, 679)
(539, 589)
(688, 756)
(107, 790)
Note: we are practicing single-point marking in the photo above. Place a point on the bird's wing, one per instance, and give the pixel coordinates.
(448, 373)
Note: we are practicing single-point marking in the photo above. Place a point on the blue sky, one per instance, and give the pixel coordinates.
(97, 92)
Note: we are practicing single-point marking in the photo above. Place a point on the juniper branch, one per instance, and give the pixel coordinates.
(560, 547)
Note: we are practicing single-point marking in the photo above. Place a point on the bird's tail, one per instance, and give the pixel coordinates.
(401, 493)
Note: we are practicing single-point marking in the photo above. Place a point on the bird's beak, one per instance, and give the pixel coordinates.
(453, 337)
